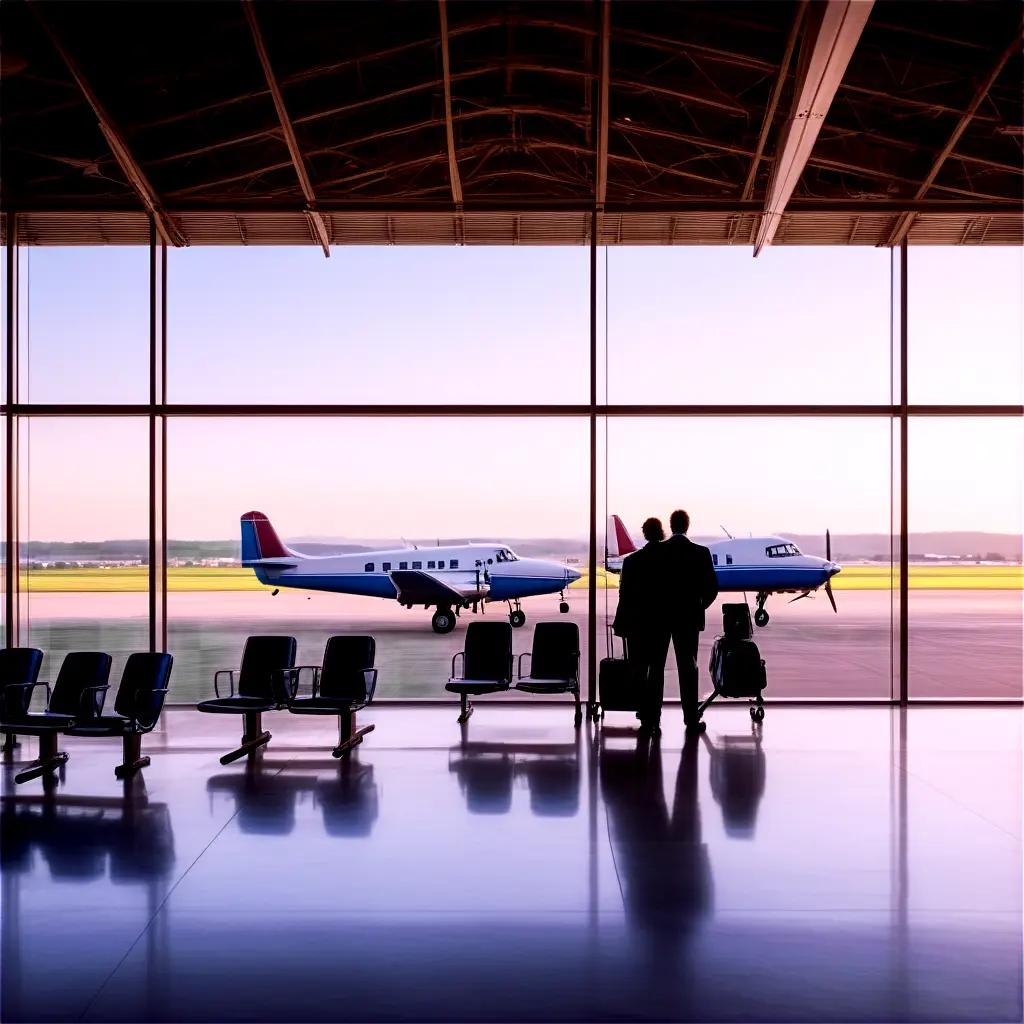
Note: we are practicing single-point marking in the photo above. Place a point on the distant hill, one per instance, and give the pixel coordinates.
(850, 546)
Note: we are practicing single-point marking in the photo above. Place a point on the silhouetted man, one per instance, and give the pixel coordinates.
(689, 586)
(640, 618)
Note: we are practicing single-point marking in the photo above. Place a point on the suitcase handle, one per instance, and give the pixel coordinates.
(610, 643)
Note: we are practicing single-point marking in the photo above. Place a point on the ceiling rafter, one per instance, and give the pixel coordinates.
(317, 224)
(603, 86)
(446, 69)
(130, 167)
(905, 221)
(830, 35)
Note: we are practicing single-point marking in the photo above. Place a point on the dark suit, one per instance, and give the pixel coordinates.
(640, 618)
(689, 586)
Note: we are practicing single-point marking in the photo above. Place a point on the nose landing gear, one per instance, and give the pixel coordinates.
(761, 617)
(516, 615)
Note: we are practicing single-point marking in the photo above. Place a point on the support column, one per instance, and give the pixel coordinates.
(12, 609)
(157, 440)
(592, 555)
(904, 515)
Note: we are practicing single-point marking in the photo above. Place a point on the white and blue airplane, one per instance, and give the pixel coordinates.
(448, 579)
(759, 565)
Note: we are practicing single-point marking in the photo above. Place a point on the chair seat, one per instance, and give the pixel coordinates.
(477, 685)
(105, 725)
(38, 724)
(531, 685)
(323, 706)
(235, 705)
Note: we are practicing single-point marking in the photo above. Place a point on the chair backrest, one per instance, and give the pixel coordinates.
(18, 665)
(345, 660)
(556, 651)
(144, 674)
(262, 662)
(78, 670)
(488, 650)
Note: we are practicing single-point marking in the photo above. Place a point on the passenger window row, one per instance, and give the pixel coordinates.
(431, 564)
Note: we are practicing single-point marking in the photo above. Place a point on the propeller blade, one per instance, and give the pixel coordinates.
(806, 593)
(831, 597)
(828, 545)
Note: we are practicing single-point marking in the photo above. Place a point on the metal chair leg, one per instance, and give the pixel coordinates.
(10, 742)
(348, 735)
(253, 737)
(465, 708)
(50, 759)
(132, 759)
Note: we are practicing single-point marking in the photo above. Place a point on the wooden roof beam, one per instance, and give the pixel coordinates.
(905, 221)
(449, 127)
(832, 31)
(317, 224)
(126, 160)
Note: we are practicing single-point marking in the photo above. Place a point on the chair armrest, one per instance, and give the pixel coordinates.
(99, 696)
(455, 657)
(519, 664)
(370, 678)
(216, 681)
(134, 719)
(24, 699)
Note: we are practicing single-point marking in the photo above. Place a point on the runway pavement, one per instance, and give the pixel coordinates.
(962, 643)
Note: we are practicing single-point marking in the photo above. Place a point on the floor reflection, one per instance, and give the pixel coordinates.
(738, 772)
(265, 796)
(487, 771)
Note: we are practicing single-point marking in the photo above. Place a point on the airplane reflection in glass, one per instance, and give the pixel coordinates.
(448, 578)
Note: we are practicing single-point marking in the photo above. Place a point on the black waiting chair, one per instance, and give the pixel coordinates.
(140, 699)
(19, 666)
(265, 683)
(486, 664)
(77, 696)
(554, 662)
(342, 685)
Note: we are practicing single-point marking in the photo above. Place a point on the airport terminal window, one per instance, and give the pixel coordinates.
(332, 335)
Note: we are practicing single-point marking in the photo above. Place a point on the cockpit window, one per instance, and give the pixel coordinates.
(504, 555)
(782, 551)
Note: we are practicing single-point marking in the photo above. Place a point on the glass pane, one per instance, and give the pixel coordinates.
(387, 325)
(966, 484)
(85, 546)
(85, 328)
(363, 486)
(781, 482)
(699, 326)
(966, 329)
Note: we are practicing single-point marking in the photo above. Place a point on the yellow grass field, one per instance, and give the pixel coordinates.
(855, 577)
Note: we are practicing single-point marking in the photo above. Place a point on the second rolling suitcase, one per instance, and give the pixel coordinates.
(615, 691)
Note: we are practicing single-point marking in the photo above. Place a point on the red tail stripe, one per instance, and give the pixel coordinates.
(622, 538)
(269, 542)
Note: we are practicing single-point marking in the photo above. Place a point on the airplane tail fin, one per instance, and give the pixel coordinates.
(619, 541)
(260, 540)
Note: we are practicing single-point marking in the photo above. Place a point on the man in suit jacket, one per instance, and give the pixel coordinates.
(689, 586)
(640, 618)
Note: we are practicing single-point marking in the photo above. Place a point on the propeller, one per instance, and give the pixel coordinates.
(828, 582)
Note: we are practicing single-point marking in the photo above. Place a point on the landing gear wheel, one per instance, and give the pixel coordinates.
(443, 620)
(517, 618)
(761, 617)
(564, 607)
(757, 713)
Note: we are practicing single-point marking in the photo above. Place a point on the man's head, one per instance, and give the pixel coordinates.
(653, 530)
(679, 521)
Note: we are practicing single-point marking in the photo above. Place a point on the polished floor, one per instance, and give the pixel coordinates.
(833, 864)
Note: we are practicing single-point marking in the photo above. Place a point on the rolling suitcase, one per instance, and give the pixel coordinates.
(736, 666)
(615, 691)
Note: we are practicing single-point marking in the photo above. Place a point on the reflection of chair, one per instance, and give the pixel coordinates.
(487, 772)
(265, 800)
(77, 695)
(554, 662)
(738, 771)
(486, 664)
(140, 699)
(19, 667)
(81, 837)
(341, 686)
(264, 684)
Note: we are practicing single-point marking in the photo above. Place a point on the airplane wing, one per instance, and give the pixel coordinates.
(417, 587)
